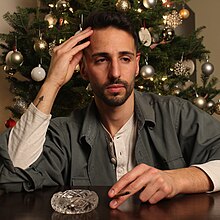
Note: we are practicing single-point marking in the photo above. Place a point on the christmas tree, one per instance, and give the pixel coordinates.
(167, 64)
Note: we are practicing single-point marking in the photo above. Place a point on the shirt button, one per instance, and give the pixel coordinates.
(120, 170)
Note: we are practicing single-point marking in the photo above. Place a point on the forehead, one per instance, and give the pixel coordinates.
(111, 40)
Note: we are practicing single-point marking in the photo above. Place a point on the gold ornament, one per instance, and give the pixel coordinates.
(40, 45)
(217, 108)
(123, 5)
(184, 13)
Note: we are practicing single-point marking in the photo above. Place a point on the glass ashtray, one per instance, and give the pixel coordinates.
(75, 201)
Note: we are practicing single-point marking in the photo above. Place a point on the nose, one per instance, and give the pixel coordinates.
(114, 70)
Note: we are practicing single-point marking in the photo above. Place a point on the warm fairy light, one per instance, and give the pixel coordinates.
(139, 10)
(164, 78)
(140, 87)
(51, 5)
(65, 22)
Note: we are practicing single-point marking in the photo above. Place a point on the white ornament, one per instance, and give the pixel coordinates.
(190, 65)
(38, 73)
(145, 36)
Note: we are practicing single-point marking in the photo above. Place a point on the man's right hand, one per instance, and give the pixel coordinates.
(64, 60)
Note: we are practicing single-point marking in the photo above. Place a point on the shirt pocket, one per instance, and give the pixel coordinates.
(80, 181)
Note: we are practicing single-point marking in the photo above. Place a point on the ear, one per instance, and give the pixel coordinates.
(83, 71)
(138, 56)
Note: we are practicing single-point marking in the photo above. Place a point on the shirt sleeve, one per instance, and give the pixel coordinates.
(26, 139)
(212, 168)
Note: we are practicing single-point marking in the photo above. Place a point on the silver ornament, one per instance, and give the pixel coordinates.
(14, 59)
(9, 70)
(200, 102)
(63, 5)
(168, 34)
(210, 104)
(207, 68)
(147, 71)
(8, 58)
(149, 3)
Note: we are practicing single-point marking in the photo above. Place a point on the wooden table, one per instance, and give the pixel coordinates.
(36, 206)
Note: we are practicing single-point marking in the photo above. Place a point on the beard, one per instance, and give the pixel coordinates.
(113, 99)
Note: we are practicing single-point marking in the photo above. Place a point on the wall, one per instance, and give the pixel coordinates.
(206, 12)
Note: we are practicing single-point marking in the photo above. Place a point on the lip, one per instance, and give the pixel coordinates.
(114, 88)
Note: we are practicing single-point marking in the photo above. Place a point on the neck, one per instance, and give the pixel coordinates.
(113, 118)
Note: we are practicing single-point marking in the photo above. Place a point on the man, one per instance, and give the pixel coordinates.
(125, 139)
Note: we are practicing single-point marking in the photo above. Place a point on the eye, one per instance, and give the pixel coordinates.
(100, 60)
(126, 59)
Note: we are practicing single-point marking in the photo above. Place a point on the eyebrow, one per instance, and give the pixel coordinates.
(103, 54)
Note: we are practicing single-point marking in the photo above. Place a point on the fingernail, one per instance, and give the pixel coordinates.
(112, 192)
(113, 203)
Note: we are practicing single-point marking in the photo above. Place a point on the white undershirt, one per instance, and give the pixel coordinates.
(26, 141)
(124, 142)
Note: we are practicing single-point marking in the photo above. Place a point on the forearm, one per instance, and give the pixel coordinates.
(26, 139)
(45, 97)
(190, 180)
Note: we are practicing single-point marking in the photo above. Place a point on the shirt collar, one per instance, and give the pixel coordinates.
(144, 113)
(144, 109)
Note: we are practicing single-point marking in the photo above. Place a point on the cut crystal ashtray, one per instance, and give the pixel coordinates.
(75, 201)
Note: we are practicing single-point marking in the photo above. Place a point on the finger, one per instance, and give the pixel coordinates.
(75, 55)
(127, 179)
(156, 197)
(115, 203)
(78, 48)
(74, 40)
(78, 37)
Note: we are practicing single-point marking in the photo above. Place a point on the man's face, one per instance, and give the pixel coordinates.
(111, 64)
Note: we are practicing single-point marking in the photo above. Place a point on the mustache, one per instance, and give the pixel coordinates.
(116, 81)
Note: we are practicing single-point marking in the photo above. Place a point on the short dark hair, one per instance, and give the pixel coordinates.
(104, 19)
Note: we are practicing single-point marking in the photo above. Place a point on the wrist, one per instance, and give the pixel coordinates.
(46, 96)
